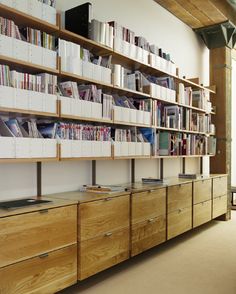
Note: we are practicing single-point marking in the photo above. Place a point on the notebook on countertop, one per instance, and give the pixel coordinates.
(14, 204)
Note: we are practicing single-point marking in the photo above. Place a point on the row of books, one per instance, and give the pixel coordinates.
(132, 103)
(128, 135)
(45, 83)
(169, 144)
(180, 118)
(101, 32)
(32, 36)
(43, 9)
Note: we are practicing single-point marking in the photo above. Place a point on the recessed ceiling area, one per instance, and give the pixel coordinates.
(201, 13)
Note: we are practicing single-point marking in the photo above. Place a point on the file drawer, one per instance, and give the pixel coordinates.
(99, 217)
(219, 206)
(28, 235)
(150, 204)
(219, 186)
(201, 191)
(202, 213)
(148, 234)
(179, 196)
(47, 273)
(179, 222)
(103, 252)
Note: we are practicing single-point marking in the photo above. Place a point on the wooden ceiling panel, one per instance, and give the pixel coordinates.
(200, 13)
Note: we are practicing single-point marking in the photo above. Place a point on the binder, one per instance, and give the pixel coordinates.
(78, 19)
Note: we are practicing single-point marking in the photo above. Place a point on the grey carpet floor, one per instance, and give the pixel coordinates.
(202, 261)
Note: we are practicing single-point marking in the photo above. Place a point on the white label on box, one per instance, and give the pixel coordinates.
(49, 148)
(36, 148)
(66, 105)
(22, 147)
(7, 147)
(6, 46)
(22, 99)
(7, 97)
(66, 148)
(35, 101)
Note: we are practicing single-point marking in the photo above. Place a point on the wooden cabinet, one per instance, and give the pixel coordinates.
(31, 234)
(179, 196)
(179, 208)
(148, 204)
(102, 252)
(148, 219)
(219, 186)
(45, 274)
(99, 217)
(219, 206)
(179, 222)
(104, 234)
(219, 196)
(202, 213)
(202, 191)
(148, 234)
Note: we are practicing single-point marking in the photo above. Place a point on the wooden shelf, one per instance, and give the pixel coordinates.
(27, 112)
(179, 131)
(86, 43)
(30, 67)
(28, 160)
(115, 122)
(90, 119)
(85, 158)
(180, 156)
(132, 157)
(24, 19)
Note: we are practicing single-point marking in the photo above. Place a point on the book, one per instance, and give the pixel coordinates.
(78, 19)
(152, 180)
(188, 176)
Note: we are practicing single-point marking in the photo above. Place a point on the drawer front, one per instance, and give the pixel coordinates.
(147, 205)
(99, 217)
(219, 206)
(179, 222)
(103, 252)
(202, 213)
(28, 235)
(201, 191)
(179, 196)
(219, 186)
(148, 234)
(46, 275)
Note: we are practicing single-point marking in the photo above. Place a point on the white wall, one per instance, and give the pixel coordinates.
(150, 20)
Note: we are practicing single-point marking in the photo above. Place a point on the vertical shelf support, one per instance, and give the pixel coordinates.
(183, 165)
(161, 168)
(132, 170)
(39, 178)
(201, 165)
(94, 180)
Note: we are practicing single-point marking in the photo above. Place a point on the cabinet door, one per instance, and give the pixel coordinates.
(179, 222)
(102, 252)
(148, 204)
(179, 196)
(43, 274)
(219, 186)
(202, 213)
(148, 234)
(219, 206)
(98, 217)
(30, 234)
(201, 191)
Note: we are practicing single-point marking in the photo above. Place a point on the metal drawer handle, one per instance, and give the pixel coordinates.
(180, 210)
(151, 220)
(43, 255)
(151, 191)
(107, 199)
(108, 234)
(43, 211)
